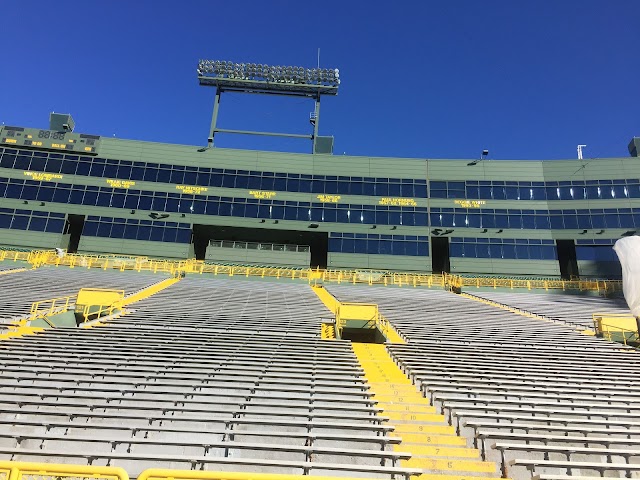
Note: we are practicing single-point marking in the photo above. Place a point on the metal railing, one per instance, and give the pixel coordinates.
(161, 474)
(626, 332)
(52, 471)
(51, 306)
(355, 276)
(275, 247)
(600, 286)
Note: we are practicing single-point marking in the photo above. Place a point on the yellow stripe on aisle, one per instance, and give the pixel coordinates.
(432, 442)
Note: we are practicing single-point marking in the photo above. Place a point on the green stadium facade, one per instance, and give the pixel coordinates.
(105, 195)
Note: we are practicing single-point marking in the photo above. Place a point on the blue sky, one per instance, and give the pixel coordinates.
(427, 79)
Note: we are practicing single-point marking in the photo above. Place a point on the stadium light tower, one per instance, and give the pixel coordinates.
(580, 147)
(269, 80)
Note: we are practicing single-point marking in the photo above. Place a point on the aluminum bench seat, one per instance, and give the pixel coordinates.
(534, 465)
(175, 395)
(200, 447)
(374, 423)
(119, 431)
(144, 460)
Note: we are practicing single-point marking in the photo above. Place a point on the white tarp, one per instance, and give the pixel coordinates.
(628, 251)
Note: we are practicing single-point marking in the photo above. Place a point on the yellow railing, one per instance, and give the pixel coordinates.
(356, 276)
(616, 327)
(52, 471)
(161, 474)
(14, 256)
(51, 306)
(93, 312)
(600, 286)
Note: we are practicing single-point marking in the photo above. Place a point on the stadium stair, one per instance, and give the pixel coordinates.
(333, 304)
(328, 331)
(433, 443)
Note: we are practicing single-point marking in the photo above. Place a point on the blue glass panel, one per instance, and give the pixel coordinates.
(456, 249)
(117, 230)
(90, 228)
(522, 252)
(5, 220)
(38, 224)
(22, 163)
(131, 200)
(137, 171)
(144, 202)
(156, 233)
(381, 217)
(110, 170)
(55, 225)
(509, 251)
(612, 220)
(124, 172)
(45, 194)
(584, 221)
(626, 220)
(130, 231)
(190, 177)
(385, 247)
(394, 189)
(6, 161)
(29, 192)
(104, 229)
(183, 235)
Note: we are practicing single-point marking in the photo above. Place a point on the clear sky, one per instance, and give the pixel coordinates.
(423, 78)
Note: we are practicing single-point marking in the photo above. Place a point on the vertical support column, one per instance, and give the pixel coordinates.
(214, 117)
(316, 125)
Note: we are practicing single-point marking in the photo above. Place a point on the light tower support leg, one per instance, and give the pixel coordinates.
(214, 117)
(316, 125)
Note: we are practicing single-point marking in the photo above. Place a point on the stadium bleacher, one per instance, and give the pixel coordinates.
(571, 309)
(20, 290)
(209, 373)
(230, 374)
(534, 396)
(233, 306)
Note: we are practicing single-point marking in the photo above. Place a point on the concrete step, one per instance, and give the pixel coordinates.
(420, 439)
(444, 464)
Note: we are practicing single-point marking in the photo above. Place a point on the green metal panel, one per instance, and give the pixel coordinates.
(495, 266)
(134, 247)
(26, 239)
(379, 262)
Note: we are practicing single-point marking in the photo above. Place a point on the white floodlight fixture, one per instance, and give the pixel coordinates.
(260, 77)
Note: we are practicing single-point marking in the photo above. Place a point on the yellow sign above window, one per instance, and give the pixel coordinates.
(261, 194)
(397, 202)
(120, 183)
(470, 203)
(191, 189)
(43, 176)
(328, 198)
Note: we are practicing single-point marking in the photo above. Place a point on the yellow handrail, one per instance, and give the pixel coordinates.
(162, 474)
(607, 330)
(356, 276)
(51, 305)
(53, 471)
